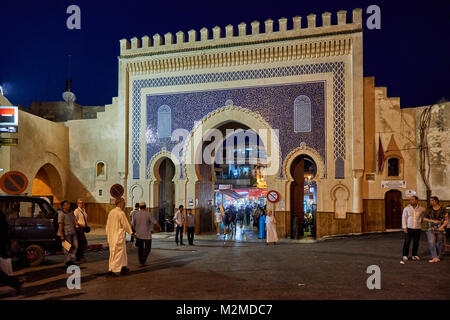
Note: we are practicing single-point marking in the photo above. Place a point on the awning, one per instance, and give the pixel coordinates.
(231, 194)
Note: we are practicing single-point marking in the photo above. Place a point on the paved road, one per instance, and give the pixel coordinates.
(331, 269)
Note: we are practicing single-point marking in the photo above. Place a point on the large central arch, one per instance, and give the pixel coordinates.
(219, 117)
(192, 153)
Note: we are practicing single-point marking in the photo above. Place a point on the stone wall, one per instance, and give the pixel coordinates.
(93, 143)
(38, 148)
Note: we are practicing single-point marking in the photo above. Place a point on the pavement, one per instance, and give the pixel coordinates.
(97, 237)
(333, 269)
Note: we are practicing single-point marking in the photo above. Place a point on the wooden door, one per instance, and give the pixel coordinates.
(393, 209)
(206, 196)
(297, 195)
(166, 194)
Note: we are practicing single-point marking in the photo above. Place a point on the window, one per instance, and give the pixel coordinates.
(100, 170)
(393, 170)
(164, 122)
(302, 114)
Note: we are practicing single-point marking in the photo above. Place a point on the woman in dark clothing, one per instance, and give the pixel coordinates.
(437, 219)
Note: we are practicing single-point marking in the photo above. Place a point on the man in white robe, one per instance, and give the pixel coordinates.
(117, 226)
(271, 227)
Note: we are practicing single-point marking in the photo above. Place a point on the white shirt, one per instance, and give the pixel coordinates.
(133, 212)
(218, 216)
(80, 215)
(179, 218)
(412, 217)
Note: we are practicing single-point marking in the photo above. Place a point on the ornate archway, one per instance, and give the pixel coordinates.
(199, 191)
(155, 177)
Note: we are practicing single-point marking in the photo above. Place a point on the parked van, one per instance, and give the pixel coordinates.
(33, 227)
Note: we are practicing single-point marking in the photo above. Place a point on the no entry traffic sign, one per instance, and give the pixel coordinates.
(116, 191)
(13, 182)
(273, 196)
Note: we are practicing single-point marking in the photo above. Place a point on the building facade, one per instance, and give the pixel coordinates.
(301, 90)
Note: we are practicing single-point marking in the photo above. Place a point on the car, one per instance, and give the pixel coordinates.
(33, 227)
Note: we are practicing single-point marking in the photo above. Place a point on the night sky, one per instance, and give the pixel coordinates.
(410, 54)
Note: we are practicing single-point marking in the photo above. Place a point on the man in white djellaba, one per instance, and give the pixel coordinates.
(117, 226)
(271, 228)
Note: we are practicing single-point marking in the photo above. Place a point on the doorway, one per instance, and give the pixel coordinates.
(393, 209)
(47, 183)
(166, 192)
(303, 197)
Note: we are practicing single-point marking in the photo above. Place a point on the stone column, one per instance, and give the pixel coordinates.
(357, 191)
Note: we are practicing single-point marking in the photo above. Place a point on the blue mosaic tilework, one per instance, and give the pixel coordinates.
(337, 68)
(274, 103)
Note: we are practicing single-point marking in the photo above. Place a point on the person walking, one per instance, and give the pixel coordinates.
(179, 222)
(190, 226)
(5, 277)
(262, 225)
(136, 209)
(81, 218)
(412, 226)
(226, 221)
(117, 226)
(68, 231)
(271, 226)
(218, 220)
(142, 222)
(248, 212)
(437, 220)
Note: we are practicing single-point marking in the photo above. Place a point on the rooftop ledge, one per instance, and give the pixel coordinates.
(158, 44)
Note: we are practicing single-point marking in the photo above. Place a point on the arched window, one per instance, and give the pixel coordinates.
(100, 170)
(302, 114)
(393, 165)
(164, 122)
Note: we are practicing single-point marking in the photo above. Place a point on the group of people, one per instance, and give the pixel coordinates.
(251, 214)
(117, 226)
(433, 221)
(142, 221)
(180, 221)
(72, 228)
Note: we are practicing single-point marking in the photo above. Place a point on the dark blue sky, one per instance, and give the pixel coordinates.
(410, 54)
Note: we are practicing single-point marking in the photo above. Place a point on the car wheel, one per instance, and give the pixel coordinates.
(34, 255)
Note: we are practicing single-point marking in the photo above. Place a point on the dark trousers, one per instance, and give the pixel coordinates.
(10, 281)
(190, 234)
(145, 246)
(414, 235)
(82, 244)
(179, 232)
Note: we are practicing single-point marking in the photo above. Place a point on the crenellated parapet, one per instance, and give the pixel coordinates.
(244, 35)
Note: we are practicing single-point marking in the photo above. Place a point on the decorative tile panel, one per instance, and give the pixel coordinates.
(337, 68)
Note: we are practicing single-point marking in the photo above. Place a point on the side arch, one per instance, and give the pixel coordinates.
(304, 150)
(56, 162)
(340, 195)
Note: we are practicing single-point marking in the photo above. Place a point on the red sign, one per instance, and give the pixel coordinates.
(13, 182)
(8, 116)
(256, 193)
(116, 191)
(273, 196)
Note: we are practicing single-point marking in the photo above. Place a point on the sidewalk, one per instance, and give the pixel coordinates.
(97, 237)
